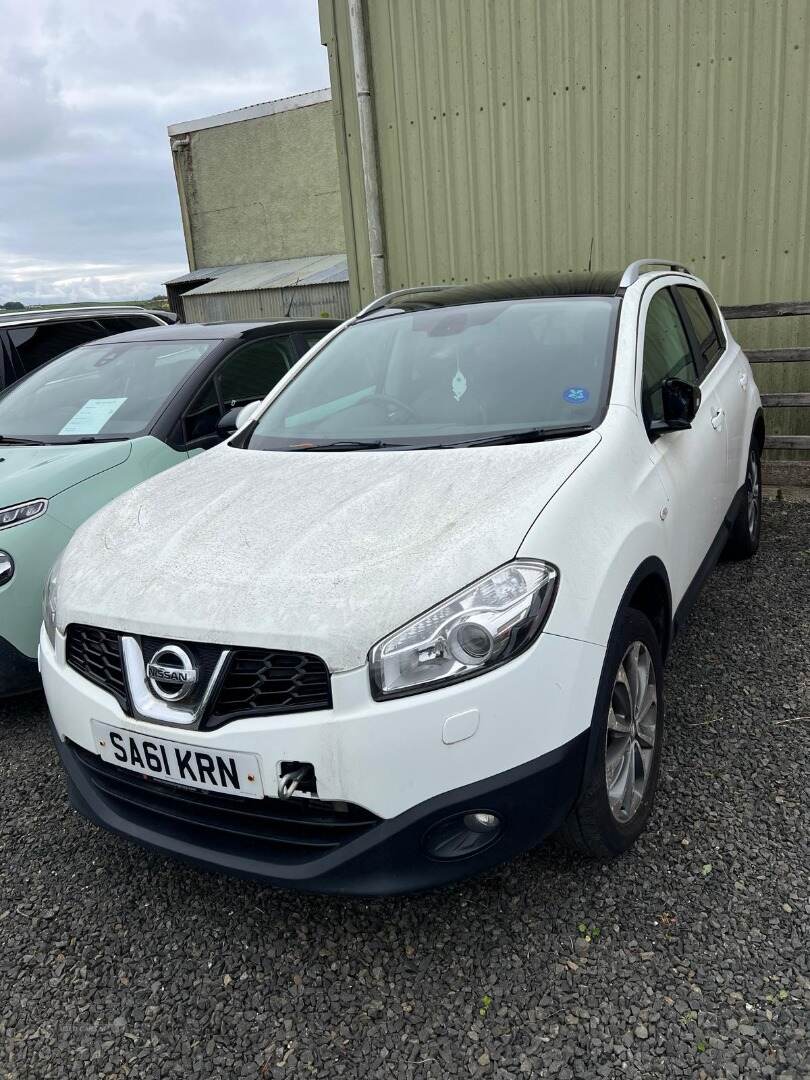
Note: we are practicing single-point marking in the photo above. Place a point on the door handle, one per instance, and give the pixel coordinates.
(717, 420)
(743, 380)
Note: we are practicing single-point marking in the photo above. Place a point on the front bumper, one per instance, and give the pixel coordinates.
(390, 858)
(511, 742)
(34, 546)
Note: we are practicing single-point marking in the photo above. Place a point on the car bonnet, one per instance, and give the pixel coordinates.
(41, 472)
(320, 552)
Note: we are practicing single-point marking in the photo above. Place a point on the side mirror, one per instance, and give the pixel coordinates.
(680, 401)
(236, 418)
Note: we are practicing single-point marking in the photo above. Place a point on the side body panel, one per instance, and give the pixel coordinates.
(599, 527)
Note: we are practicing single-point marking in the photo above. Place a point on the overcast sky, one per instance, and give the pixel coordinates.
(88, 204)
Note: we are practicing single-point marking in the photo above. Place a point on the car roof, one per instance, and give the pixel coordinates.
(602, 283)
(14, 318)
(219, 331)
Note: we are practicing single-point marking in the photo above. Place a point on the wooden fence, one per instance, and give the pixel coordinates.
(794, 471)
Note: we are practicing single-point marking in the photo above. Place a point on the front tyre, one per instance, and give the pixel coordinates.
(627, 730)
(743, 541)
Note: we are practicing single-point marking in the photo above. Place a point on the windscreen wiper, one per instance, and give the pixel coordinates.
(94, 439)
(342, 444)
(11, 440)
(531, 435)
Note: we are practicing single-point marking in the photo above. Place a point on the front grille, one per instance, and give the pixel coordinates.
(270, 682)
(284, 830)
(255, 682)
(96, 654)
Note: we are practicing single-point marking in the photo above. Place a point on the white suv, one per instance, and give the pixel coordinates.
(412, 617)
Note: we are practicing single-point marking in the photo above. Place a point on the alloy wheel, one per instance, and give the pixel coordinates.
(752, 484)
(631, 732)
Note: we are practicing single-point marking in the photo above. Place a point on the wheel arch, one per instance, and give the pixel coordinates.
(758, 430)
(648, 591)
(649, 583)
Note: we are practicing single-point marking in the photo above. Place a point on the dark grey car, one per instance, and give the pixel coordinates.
(29, 339)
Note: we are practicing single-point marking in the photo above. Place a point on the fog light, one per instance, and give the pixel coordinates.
(481, 821)
(463, 835)
(6, 567)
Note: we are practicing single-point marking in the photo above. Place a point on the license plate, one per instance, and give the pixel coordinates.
(229, 771)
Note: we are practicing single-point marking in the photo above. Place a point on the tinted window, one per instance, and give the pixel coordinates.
(107, 389)
(709, 346)
(6, 375)
(667, 354)
(248, 374)
(36, 345)
(312, 336)
(444, 376)
(121, 324)
(252, 371)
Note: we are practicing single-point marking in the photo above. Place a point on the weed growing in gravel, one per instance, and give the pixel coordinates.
(486, 1001)
(590, 933)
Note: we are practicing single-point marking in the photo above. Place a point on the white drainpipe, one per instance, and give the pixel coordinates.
(368, 148)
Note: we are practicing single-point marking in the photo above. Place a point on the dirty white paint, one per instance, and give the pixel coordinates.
(324, 552)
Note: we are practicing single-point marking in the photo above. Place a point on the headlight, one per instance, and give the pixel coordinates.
(484, 625)
(49, 597)
(16, 515)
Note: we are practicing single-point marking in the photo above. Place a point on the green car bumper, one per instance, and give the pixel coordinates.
(34, 547)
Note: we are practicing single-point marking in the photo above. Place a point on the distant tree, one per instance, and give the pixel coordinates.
(160, 302)
(13, 305)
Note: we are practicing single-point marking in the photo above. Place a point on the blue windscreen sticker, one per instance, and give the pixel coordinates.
(576, 395)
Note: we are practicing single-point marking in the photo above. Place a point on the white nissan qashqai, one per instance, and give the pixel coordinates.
(412, 617)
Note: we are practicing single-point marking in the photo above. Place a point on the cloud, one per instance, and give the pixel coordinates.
(87, 89)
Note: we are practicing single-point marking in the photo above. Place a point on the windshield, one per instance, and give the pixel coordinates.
(100, 391)
(490, 372)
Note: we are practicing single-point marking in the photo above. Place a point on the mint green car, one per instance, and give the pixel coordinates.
(100, 419)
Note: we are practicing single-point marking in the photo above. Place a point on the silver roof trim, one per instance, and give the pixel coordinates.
(252, 112)
(382, 301)
(46, 314)
(634, 270)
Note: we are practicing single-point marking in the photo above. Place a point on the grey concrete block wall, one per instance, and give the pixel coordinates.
(260, 188)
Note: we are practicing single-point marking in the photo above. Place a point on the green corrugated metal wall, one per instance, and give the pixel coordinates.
(512, 133)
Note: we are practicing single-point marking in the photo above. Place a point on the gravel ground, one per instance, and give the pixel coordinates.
(689, 957)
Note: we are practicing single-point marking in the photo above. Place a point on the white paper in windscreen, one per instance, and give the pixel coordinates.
(92, 416)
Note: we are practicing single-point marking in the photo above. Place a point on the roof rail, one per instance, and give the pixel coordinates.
(634, 271)
(382, 301)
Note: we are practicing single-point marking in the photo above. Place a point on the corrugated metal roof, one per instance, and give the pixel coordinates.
(204, 273)
(281, 274)
(252, 112)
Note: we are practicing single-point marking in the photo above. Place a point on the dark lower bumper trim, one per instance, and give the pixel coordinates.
(532, 801)
(19, 674)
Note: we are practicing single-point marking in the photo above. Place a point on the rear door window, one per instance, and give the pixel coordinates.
(702, 322)
(36, 345)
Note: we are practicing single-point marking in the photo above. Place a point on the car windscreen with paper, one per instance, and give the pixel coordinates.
(498, 371)
(99, 391)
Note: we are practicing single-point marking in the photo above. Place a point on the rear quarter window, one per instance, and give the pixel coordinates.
(36, 345)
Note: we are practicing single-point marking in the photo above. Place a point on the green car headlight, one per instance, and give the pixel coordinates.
(27, 511)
